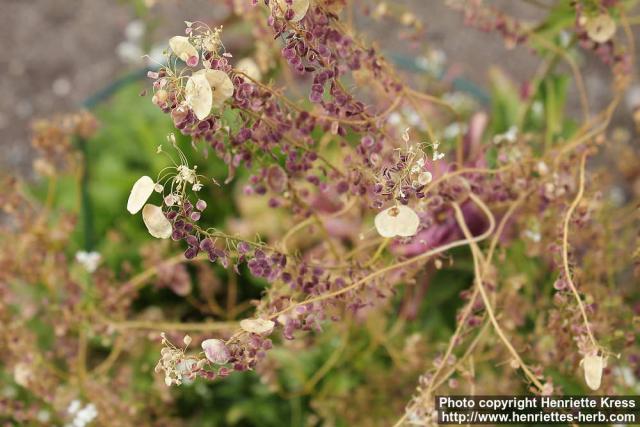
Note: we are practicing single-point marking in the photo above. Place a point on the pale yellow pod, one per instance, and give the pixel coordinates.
(250, 68)
(257, 326)
(198, 95)
(397, 221)
(220, 84)
(300, 8)
(601, 28)
(140, 193)
(593, 366)
(182, 48)
(157, 224)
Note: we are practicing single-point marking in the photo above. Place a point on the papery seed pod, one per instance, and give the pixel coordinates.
(593, 365)
(216, 351)
(276, 179)
(249, 67)
(220, 84)
(156, 222)
(257, 326)
(198, 95)
(600, 28)
(424, 178)
(397, 221)
(140, 193)
(182, 48)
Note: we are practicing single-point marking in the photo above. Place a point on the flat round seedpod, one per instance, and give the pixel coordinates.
(156, 222)
(198, 95)
(397, 221)
(601, 28)
(182, 48)
(220, 84)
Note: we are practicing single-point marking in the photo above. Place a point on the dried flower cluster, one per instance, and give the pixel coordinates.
(495, 228)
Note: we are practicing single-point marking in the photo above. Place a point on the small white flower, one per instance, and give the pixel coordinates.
(601, 28)
(593, 365)
(86, 415)
(140, 193)
(134, 30)
(542, 168)
(211, 43)
(394, 118)
(216, 351)
(156, 222)
(44, 416)
(414, 118)
(299, 7)
(158, 188)
(198, 95)
(182, 48)
(257, 326)
(509, 136)
(22, 374)
(627, 375)
(454, 129)
(196, 187)
(82, 416)
(186, 174)
(88, 260)
(250, 68)
(74, 406)
(129, 52)
(397, 221)
(533, 235)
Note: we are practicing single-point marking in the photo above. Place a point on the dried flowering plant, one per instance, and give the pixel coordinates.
(405, 241)
(323, 280)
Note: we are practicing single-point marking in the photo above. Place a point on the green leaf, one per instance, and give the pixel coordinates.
(553, 92)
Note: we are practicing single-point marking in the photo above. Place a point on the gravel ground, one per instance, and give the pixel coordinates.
(62, 51)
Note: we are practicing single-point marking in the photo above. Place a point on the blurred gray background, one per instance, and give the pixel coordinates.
(56, 53)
